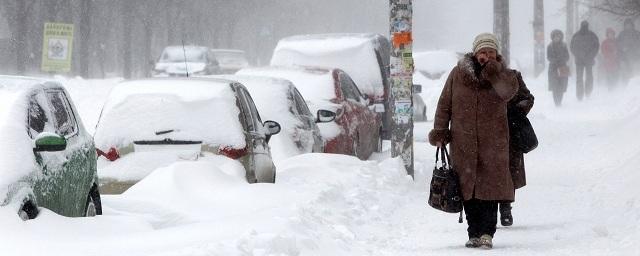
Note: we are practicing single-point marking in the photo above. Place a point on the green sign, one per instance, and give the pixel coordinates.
(57, 47)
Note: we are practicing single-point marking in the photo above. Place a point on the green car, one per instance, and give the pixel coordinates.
(49, 159)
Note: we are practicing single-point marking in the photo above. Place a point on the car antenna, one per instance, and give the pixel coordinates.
(186, 67)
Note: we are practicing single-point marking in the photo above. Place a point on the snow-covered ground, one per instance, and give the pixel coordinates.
(581, 198)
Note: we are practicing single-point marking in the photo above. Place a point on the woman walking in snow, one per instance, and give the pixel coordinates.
(472, 115)
(558, 56)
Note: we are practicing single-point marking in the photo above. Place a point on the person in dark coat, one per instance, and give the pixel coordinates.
(558, 56)
(610, 60)
(584, 46)
(472, 115)
(629, 46)
(517, 107)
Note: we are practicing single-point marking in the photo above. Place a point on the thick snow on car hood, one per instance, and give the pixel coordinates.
(196, 110)
(316, 86)
(16, 156)
(355, 54)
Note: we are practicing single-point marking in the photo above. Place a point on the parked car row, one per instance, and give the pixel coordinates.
(323, 100)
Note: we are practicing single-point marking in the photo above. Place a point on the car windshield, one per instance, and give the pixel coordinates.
(178, 54)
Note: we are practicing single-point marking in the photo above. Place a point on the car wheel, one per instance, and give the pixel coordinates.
(93, 206)
(424, 114)
(90, 208)
(28, 211)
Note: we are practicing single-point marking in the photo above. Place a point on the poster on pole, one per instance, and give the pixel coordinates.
(57, 47)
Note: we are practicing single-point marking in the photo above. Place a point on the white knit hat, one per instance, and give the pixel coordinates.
(485, 40)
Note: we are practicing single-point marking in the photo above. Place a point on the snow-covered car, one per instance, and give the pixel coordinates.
(365, 57)
(434, 64)
(49, 159)
(419, 107)
(230, 60)
(356, 128)
(278, 99)
(186, 60)
(148, 124)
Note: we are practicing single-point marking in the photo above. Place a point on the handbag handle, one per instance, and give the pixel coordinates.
(446, 160)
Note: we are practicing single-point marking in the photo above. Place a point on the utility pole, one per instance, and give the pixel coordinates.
(538, 36)
(401, 98)
(501, 27)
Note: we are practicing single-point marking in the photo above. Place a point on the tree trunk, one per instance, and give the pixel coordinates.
(501, 27)
(127, 19)
(19, 36)
(538, 35)
(84, 39)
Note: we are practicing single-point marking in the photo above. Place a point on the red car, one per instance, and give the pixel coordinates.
(356, 129)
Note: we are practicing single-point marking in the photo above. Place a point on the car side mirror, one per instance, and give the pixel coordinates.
(272, 128)
(49, 142)
(325, 116)
(378, 108)
(417, 88)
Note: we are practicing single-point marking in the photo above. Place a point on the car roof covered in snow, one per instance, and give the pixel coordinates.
(313, 83)
(353, 53)
(194, 109)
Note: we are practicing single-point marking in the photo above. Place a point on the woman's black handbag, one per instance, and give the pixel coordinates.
(522, 136)
(445, 192)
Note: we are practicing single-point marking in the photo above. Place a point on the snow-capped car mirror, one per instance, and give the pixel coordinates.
(272, 127)
(325, 116)
(378, 108)
(49, 142)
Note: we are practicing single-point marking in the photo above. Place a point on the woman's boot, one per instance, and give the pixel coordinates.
(506, 219)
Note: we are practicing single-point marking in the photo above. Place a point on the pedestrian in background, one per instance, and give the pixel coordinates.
(610, 60)
(558, 56)
(629, 46)
(584, 47)
(472, 115)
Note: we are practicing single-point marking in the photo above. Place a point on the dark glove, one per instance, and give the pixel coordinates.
(491, 70)
(439, 136)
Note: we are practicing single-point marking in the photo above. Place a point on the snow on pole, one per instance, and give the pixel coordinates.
(401, 98)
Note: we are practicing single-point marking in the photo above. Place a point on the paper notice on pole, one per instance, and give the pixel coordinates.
(403, 112)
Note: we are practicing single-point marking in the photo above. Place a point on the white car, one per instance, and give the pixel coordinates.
(357, 127)
(279, 100)
(186, 61)
(230, 60)
(147, 124)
